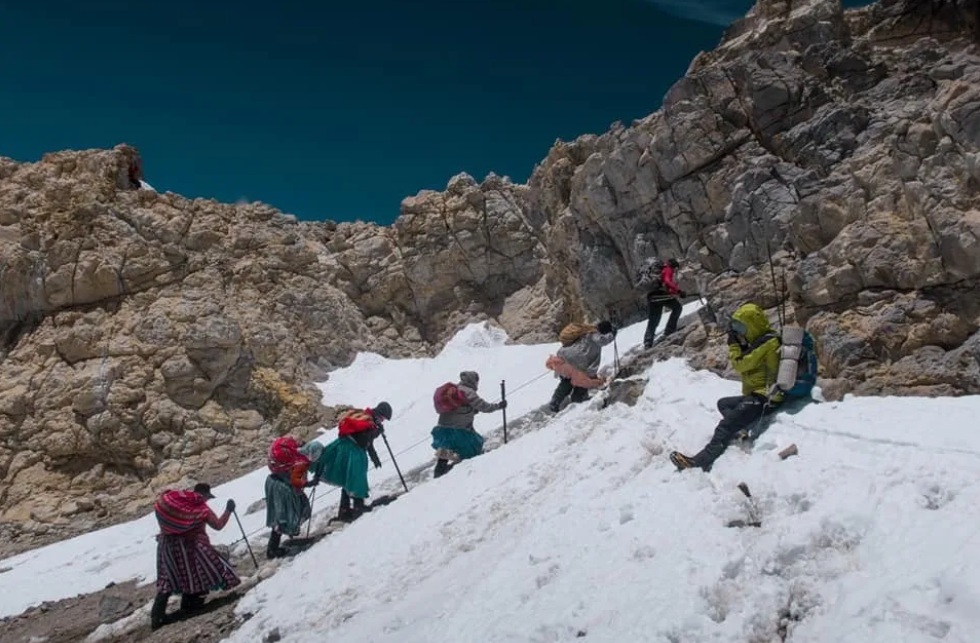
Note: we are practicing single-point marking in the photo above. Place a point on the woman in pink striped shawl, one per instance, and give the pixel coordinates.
(187, 564)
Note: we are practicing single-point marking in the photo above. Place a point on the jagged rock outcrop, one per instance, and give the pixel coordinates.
(452, 257)
(149, 339)
(846, 144)
(146, 338)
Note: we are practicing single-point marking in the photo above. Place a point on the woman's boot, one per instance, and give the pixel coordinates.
(273, 550)
(158, 613)
(442, 467)
(359, 508)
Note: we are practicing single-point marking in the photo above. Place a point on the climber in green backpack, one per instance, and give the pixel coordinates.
(774, 368)
(753, 348)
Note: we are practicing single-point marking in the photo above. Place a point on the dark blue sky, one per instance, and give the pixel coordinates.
(336, 113)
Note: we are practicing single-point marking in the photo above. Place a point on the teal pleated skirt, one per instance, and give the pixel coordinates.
(463, 442)
(285, 507)
(345, 465)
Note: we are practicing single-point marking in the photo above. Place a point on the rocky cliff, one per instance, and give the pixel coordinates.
(844, 144)
(146, 338)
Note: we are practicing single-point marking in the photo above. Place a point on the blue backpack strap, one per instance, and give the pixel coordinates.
(806, 374)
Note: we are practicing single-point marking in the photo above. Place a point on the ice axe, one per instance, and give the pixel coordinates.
(753, 520)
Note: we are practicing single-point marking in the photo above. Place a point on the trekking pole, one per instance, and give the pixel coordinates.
(245, 538)
(615, 358)
(309, 525)
(503, 398)
(393, 461)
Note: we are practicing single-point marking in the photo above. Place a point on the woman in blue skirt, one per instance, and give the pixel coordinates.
(454, 437)
(344, 462)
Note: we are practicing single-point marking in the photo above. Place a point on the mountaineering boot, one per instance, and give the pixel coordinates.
(442, 468)
(158, 613)
(681, 461)
(273, 550)
(191, 602)
(344, 514)
(360, 508)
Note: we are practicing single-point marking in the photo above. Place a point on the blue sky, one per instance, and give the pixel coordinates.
(336, 113)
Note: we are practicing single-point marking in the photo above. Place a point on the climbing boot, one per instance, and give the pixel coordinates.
(681, 461)
(360, 507)
(191, 602)
(158, 613)
(442, 468)
(273, 550)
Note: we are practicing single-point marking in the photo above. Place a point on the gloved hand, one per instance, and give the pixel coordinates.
(502, 404)
(230, 507)
(312, 483)
(376, 460)
(605, 327)
(733, 338)
(681, 294)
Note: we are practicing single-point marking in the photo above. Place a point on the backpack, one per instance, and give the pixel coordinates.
(650, 275)
(574, 332)
(283, 454)
(448, 398)
(797, 363)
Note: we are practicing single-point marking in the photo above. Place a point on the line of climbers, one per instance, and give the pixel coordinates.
(773, 367)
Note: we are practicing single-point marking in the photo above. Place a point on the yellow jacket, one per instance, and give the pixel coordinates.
(758, 363)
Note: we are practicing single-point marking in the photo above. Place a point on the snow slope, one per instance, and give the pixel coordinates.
(89, 562)
(582, 528)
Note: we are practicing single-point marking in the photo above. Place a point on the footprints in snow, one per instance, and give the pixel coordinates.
(934, 496)
(787, 596)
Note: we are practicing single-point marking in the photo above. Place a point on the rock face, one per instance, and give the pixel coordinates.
(844, 144)
(148, 340)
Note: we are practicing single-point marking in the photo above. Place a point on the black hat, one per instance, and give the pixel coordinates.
(204, 489)
(673, 263)
(384, 410)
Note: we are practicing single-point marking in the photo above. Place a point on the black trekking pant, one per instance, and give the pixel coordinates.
(655, 309)
(737, 413)
(565, 388)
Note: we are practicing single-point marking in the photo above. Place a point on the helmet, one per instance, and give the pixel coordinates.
(383, 409)
(673, 263)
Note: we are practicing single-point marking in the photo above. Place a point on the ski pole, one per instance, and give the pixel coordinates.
(503, 398)
(245, 538)
(393, 461)
(309, 525)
